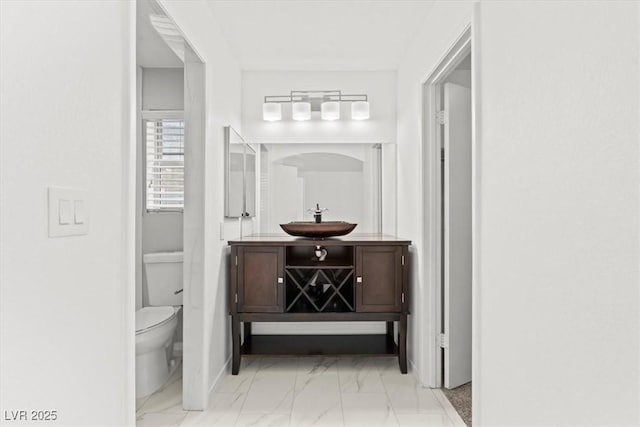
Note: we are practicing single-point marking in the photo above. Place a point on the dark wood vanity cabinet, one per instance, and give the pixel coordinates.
(260, 279)
(282, 279)
(379, 278)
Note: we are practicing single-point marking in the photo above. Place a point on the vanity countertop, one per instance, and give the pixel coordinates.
(353, 238)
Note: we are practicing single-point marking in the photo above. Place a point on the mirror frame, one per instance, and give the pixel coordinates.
(227, 174)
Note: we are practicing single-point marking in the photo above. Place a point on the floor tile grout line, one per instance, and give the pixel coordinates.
(234, 392)
(293, 399)
(299, 372)
(170, 381)
(139, 411)
(376, 369)
(419, 385)
(386, 392)
(340, 392)
(344, 420)
(235, 421)
(253, 377)
(389, 400)
(184, 417)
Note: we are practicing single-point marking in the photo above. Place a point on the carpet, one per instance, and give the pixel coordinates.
(460, 398)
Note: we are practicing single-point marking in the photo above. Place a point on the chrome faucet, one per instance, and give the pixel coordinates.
(317, 212)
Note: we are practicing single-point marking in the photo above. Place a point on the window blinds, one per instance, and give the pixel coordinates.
(165, 164)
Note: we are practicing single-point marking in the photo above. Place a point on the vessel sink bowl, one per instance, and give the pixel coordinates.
(318, 229)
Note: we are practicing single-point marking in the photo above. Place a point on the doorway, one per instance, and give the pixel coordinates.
(448, 188)
(456, 245)
(170, 212)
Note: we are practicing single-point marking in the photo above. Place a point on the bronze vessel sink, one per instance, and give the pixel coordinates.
(318, 229)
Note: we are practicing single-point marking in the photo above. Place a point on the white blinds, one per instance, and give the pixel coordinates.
(165, 164)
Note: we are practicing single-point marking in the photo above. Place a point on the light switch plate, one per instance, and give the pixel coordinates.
(78, 211)
(68, 212)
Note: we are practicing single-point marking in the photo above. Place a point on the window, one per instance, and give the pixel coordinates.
(165, 164)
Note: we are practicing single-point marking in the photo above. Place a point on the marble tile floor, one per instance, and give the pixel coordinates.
(306, 391)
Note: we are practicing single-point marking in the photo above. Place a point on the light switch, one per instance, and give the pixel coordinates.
(68, 212)
(64, 212)
(78, 211)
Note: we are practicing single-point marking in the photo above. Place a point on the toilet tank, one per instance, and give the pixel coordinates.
(164, 277)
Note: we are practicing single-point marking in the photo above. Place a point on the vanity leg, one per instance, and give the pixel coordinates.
(235, 338)
(391, 343)
(402, 343)
(246, 344)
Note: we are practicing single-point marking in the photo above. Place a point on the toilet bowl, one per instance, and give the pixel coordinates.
(155, 329)
(156, 324)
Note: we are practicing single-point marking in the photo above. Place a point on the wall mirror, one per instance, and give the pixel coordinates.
(347, 179)
(240, 175)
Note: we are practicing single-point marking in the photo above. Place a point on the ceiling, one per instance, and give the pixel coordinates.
(319, 34)
(151, 49)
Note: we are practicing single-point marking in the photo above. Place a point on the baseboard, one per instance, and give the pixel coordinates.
(448, 407)
(414, 371)
(223, 371)
(456, 419)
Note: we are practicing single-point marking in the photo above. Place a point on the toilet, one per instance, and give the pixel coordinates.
(156, 324)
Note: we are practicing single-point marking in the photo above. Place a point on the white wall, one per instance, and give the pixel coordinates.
(161, 231)
(459, 77)
(557, 242)
(209, 337)
(557, 214)
(67, 303)
(443, 26)
(380, 86)
(163, 89)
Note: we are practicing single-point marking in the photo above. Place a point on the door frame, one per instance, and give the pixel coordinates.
(432, 202)
(195, 340)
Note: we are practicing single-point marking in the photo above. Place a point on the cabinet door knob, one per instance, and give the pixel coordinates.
(280, 280)
(359, 279)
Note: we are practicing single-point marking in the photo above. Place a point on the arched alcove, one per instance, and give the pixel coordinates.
(343, 178)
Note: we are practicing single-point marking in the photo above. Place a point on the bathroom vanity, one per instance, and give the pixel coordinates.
(287, 279)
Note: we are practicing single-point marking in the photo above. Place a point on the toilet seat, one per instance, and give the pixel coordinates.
(151, 317)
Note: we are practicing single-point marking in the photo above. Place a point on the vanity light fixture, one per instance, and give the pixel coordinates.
(304, 102)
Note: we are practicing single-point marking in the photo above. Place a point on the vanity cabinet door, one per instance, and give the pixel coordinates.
(378, 279)
(260, 279)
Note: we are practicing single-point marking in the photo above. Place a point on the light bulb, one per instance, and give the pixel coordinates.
(271, 111)
(301, 111)
(360, 110)
(330, 110)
